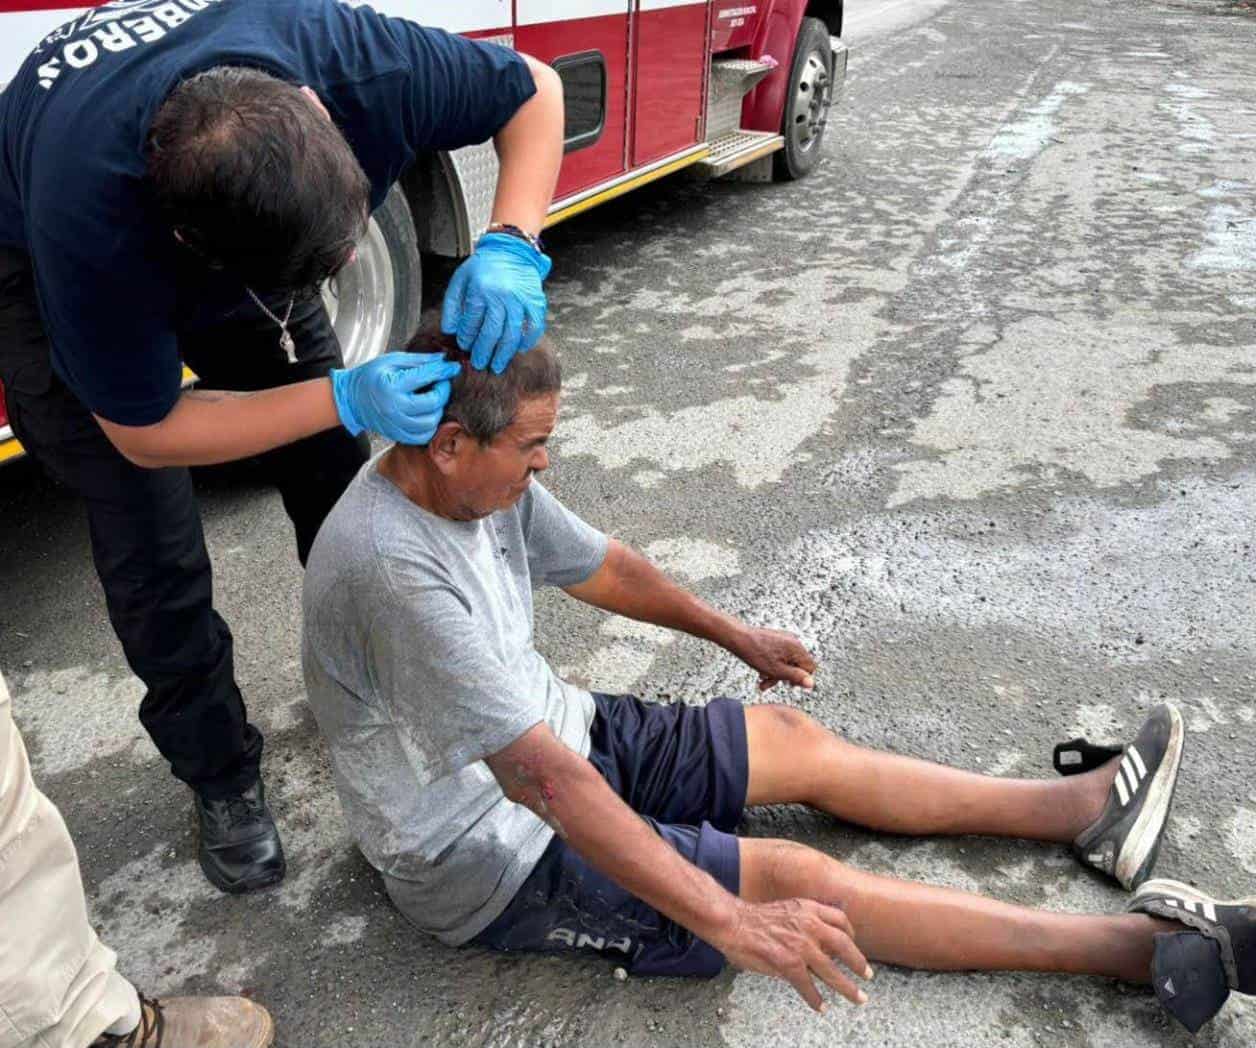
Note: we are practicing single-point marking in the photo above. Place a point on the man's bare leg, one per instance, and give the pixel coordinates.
(923, 926)
(794, 759)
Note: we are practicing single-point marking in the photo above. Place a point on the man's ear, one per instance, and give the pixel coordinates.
(448, 446)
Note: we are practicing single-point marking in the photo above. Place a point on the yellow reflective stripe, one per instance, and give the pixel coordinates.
(12, 448)
(620, 188)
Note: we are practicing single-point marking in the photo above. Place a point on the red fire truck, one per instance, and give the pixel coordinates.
(721, 87)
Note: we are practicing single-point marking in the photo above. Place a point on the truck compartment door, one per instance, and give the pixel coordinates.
(670, 56)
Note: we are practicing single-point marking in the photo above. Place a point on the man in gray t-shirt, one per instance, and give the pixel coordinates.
(507, 808)
(419, 659)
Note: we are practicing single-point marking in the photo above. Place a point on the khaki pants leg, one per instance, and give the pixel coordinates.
(58, 983)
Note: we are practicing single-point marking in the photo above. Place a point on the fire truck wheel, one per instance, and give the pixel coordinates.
(374, 301)
(807, 103)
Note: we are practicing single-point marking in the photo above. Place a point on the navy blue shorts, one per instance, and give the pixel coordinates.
(685, 769)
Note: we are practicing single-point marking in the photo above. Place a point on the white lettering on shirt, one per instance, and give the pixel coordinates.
(172, 15)
(106, 24)
(48, 72)
(114, 38)
(145, 28)
(80, 53)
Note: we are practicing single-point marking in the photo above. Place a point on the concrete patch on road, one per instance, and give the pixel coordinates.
(618, 666)
(948, 1010)
(1230, 240)
(1052, 399)
(1198, 133)
(345, 930)
(1204, 712)
(927, 861)
(1241, 838)
(763, 1011)
(1099, 722)
(1097, 578)
(1222, 409)
(694, 558)
(757, 436)
(103, 724)
(155, 921)
(1184, 830)
(1025, 138)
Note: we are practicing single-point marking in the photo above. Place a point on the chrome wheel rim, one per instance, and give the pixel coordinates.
(812, 94)
(360, 299)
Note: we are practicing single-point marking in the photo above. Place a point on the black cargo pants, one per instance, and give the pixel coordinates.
(145, 526)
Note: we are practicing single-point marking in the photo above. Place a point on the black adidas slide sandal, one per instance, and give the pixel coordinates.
(1124, 842)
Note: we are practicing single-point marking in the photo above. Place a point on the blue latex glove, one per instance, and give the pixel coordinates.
(495, 303)
(380, 395)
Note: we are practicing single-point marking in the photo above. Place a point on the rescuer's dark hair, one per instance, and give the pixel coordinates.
(483, 403)
(256, 180)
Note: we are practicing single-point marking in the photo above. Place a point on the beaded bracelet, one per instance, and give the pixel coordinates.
(515, 231)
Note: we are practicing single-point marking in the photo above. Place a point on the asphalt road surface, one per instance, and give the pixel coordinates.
(973, 410)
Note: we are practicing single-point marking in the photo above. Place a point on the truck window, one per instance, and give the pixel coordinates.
(584, 96)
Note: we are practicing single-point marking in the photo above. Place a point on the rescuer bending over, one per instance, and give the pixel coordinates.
(176, 181)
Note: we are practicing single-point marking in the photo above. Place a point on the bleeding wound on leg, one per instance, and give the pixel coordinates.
(1188, 977)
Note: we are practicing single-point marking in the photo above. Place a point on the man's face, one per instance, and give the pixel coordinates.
(493, 477)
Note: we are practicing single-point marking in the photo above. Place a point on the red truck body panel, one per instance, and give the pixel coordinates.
(670, 52)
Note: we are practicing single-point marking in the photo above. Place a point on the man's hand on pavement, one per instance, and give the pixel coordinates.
(777, 656)
(495, 302)
(796, 940)
(381, 396)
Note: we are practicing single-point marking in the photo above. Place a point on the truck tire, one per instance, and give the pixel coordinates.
(806, 102)
(375, 300)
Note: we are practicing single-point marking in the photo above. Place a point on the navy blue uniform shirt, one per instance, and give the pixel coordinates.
(113, 288)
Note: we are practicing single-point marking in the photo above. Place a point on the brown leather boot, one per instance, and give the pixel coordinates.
(196, 1022)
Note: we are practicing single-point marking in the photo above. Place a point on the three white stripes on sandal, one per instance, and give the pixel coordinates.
(1191, 906)
(1130, 774)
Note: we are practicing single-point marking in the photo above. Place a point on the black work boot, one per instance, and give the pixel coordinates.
(240, 850)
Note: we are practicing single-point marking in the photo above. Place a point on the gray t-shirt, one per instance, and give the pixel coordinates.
(419, 663)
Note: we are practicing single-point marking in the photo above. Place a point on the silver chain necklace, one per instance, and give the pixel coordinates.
(285, 339)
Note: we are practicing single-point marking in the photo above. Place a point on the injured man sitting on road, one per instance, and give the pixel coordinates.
(510, 809)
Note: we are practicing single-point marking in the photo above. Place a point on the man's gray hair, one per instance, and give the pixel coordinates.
(483, 403)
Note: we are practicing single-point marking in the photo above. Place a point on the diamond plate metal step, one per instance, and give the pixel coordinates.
(731, 78)
(740, 73)
(732, 149)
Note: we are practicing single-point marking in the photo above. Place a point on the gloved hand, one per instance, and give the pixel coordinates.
(380, 395)
(495, 302)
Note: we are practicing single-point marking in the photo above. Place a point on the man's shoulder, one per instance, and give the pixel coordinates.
(536, 498)
(540, 509)
(346, 538)
(375, 528)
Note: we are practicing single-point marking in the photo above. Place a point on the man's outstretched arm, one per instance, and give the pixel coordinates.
(794, 939)
(629, 585)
